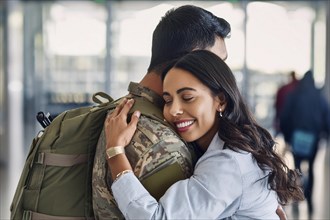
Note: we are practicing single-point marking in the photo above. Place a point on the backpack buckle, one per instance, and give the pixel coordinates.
(41, 158)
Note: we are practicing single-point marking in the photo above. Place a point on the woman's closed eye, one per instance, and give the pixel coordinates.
(167, 99)
(187, 98)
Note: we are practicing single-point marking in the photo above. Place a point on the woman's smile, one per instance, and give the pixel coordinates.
(183, 125)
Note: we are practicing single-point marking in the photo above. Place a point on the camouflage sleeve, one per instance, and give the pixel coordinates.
(104, 205)
(158, 157)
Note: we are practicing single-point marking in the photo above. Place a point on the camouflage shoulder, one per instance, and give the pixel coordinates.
(155, 144)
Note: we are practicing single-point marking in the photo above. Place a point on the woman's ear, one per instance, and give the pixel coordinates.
(222, 102)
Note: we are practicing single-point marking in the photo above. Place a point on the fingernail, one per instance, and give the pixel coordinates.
(137, 114)
(130, 101)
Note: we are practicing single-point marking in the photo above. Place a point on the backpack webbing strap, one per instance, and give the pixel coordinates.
(61, 160)
(29, 215)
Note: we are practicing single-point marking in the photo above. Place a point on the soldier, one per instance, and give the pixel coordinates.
(181, 30)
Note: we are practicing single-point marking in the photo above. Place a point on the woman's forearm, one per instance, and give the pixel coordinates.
(118, 164)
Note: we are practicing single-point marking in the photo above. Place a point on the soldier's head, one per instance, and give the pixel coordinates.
(185, 29)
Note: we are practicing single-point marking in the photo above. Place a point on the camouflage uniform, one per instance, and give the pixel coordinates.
(153, 146)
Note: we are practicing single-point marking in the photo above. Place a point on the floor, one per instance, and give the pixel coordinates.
(321, 197)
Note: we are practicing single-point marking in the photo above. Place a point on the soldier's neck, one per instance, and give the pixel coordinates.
(153, 81)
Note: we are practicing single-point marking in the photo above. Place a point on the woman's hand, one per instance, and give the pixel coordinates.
(117, 131)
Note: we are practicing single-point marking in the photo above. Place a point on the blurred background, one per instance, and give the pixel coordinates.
(55, 54)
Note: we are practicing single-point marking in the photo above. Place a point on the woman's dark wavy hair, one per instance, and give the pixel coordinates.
(182, 30)
(238, 128)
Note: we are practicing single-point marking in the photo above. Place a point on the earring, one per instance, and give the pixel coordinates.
(220, 113)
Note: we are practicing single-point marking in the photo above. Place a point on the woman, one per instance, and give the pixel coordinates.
(239, 175)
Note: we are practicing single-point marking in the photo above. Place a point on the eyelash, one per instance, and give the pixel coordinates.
(167, 102)
(187, 99)
(183, 98)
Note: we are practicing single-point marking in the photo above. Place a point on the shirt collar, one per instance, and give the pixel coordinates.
(216, 143)
(136, 89)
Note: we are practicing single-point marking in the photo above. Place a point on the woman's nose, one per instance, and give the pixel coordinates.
(175, 109)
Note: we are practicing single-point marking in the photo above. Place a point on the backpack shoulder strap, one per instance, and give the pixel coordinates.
(143, 105)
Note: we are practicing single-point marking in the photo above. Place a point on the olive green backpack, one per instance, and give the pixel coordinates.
(56, 181)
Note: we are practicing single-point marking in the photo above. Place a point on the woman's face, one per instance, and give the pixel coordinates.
(190, 107)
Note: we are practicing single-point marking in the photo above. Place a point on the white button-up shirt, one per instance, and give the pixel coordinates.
(225, 184)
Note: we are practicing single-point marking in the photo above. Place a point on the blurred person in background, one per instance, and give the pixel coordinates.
(304, 120)
(281, 94)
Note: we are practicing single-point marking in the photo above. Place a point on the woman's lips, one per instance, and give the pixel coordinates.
(183, 125)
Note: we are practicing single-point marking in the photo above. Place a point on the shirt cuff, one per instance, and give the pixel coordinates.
(127, 189)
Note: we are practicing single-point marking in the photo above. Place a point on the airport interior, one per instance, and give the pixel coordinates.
(55, 54)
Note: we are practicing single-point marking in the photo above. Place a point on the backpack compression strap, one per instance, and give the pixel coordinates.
(29, 215)
(61, 160)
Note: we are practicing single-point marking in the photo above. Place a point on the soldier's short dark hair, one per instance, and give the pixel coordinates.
(182, 30)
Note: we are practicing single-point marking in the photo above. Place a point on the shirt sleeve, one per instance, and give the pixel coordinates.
(214, 191)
